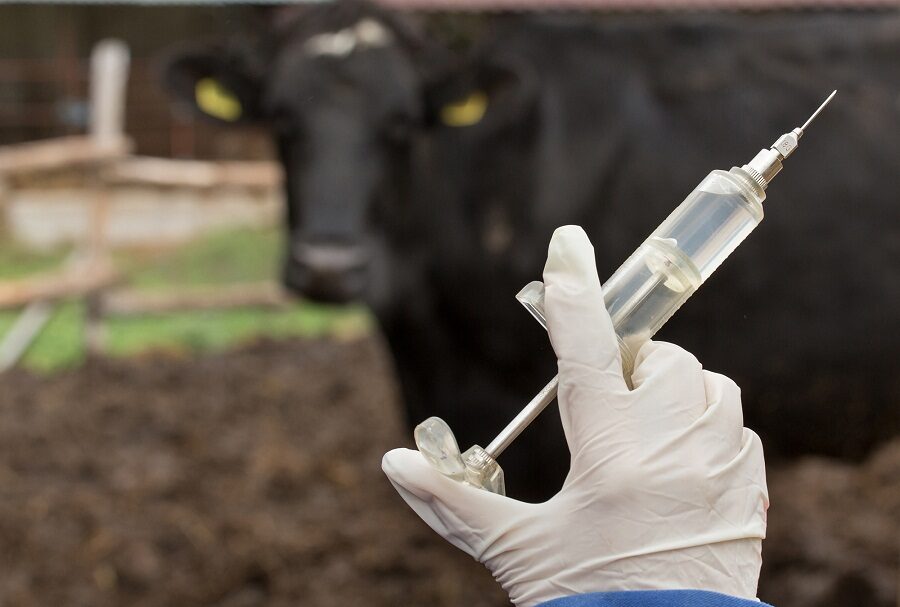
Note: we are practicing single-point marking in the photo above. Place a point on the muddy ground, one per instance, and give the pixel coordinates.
(252, 478)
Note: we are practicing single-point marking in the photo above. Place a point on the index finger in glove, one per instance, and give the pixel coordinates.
(581, 330)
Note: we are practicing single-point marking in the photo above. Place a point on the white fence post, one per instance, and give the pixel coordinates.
(110, 61)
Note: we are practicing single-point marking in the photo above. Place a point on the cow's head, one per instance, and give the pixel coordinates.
(345, 89)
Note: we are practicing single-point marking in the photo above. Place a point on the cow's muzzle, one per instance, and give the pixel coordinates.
(327, 272)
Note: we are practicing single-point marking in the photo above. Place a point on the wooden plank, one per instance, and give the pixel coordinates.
(131, 302)
(23, 333)
(60, 153)
(194, 173)
(76, 281)
(654, 6)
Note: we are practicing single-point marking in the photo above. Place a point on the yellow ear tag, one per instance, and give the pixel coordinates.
(217, 101)
(465, 112)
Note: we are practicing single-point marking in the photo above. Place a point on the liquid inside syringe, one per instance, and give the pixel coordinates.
(646, 290)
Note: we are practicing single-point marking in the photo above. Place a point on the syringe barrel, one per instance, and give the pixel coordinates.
(680, 255)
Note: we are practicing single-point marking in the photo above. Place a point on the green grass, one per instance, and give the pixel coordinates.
(17, 262)
(216, 330)
(223, 258)
(60, 343)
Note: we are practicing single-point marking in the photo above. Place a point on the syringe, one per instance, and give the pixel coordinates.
(641, 295)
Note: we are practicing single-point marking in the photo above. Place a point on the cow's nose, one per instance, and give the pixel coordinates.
(327, 272)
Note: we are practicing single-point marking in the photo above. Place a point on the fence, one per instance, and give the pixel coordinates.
(102, 159)
(48, 98)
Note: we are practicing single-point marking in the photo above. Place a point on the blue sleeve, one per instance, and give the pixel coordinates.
(653, 598)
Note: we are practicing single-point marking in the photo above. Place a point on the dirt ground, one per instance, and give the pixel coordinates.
(253, 478)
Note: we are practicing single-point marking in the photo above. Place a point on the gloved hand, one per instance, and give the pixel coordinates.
(666, 489)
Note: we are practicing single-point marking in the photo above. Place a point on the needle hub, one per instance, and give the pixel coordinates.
(768, 163)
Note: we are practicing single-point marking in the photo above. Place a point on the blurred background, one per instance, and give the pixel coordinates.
(244, 248)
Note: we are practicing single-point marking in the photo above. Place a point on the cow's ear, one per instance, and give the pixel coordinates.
(218, 86)
(490, 94)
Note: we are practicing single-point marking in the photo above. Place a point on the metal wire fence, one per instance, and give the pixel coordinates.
(41, 98)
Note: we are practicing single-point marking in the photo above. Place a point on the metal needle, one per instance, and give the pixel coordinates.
(821, 107)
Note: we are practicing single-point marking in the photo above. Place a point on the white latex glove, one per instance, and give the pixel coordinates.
(666, 488)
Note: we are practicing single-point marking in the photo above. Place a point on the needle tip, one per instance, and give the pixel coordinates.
(820, 108)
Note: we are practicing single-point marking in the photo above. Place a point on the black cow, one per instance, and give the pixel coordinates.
(431, 193)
